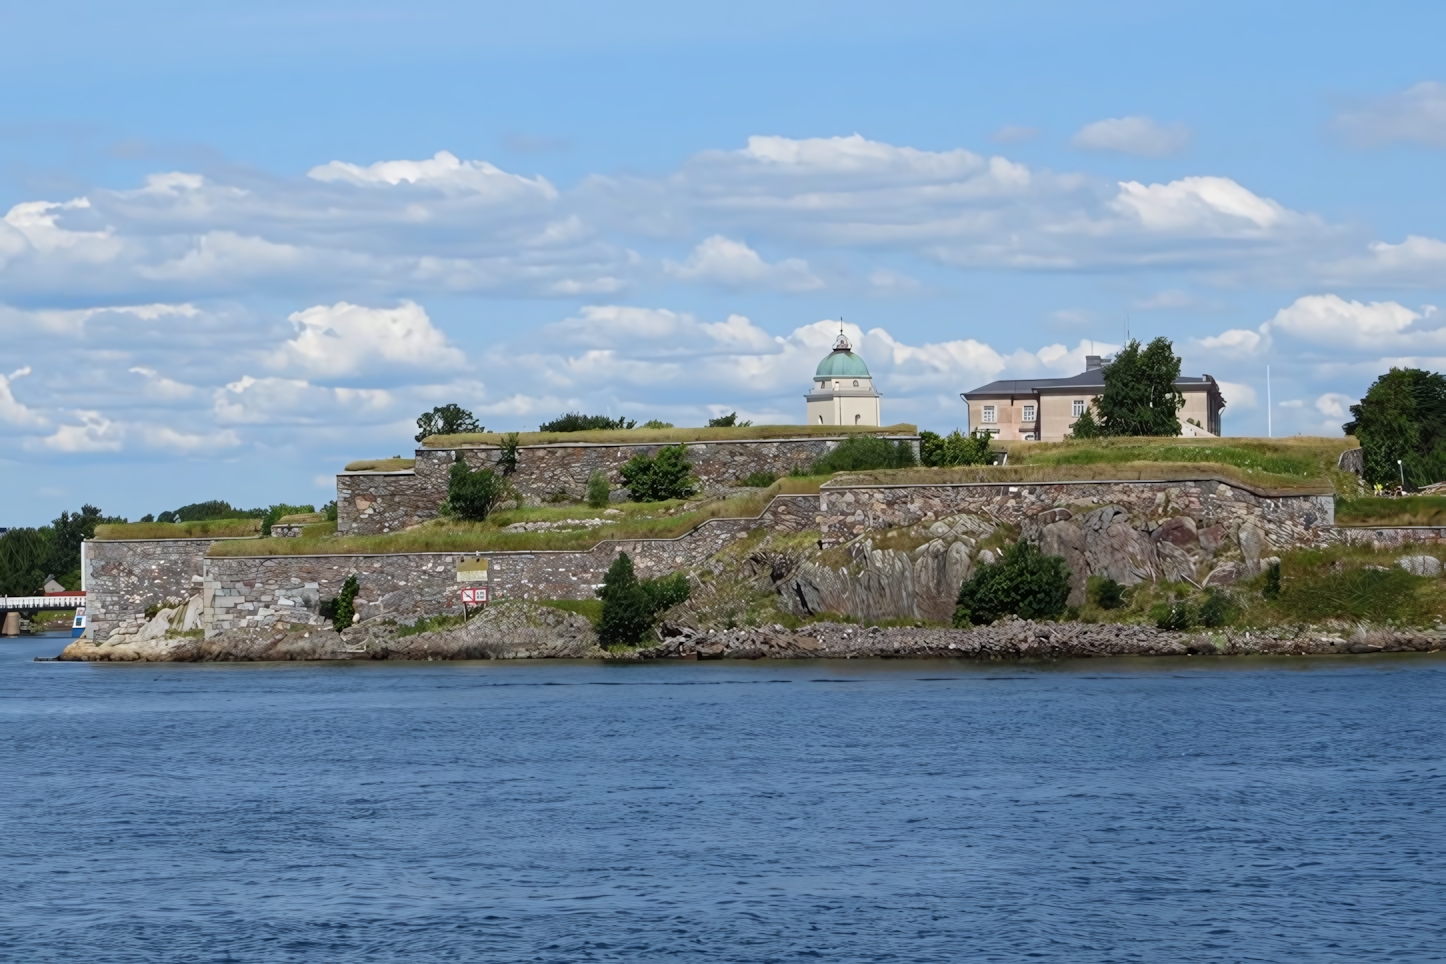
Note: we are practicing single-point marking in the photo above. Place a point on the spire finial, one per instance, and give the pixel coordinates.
(841, 343)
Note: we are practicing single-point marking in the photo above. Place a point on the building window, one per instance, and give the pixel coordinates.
(989, 414)
(856, 383)
(1029, 413)
(1077, 407)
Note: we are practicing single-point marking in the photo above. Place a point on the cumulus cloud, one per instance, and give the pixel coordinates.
(159, 386)
(1416, 115)
(1238, 395)
(1133, 135)
(1332, 320)
(94, 433)
(1334, 405)
(734, 264)
(443, 170)
(346, 339)
(1237, 342)
(1208, 206)
(12, 411)
(270, 401)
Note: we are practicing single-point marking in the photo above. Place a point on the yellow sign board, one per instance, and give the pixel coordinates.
(472, 570)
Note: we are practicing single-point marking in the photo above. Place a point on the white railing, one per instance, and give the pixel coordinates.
(66, 601)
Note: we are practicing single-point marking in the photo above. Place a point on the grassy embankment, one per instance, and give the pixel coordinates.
(211, 529)
(664, 436)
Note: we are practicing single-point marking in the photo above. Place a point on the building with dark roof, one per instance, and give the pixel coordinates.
(1044, 409)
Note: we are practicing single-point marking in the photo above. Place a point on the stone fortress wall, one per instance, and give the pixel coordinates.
(374, 502)
(1206, 530)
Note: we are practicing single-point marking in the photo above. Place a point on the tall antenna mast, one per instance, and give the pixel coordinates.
(1269, 424)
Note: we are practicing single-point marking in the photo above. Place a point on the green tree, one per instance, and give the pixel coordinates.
(1023, 582)
(861, 453)
(578, 422)
(630, 605)
(1402, 416)
(728, 421)
(955, 448)
(597, 489)
(278, 510)
(473, 495)
(507, 453)
(449, 419)
(1139, 397)
(25, 556)
(341, 610)
(666, 475)
(656, 423)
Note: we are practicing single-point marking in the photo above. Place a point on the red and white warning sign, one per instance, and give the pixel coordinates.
(474, 596)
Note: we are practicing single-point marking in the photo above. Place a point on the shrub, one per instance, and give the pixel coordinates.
(759, 480)
(666, 475)
(860, 453)
(1173, 616)
(450, 419)
(578, 422)
(1272, 581)
(656, 423)
(341, 610)
(597, 489)
(472, 495)
(330, 510)
(728, 421)
(1024, 582)
(1107, 593)
(507, 456)
(279, 510)
(629, 606)
(1217, 610)
(955, 448)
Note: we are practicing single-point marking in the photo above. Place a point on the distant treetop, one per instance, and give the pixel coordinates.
(578, 422)
(450, 419)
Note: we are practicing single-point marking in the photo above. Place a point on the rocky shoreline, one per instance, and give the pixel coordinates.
(520, 630)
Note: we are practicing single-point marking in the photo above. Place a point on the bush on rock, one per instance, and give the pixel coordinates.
(658, 478)
(1024, 582)
(630, 605)
(472, 495)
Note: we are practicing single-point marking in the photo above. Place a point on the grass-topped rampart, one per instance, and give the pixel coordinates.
(629, 520)
(1262, 482)
(662, 436)
(209, 529)
(381, 465)
(1295, 457)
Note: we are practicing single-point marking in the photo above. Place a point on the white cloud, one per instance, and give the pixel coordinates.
(722, 261)
(1238, 394)
(269, 401)
(159, 386)
(443, 170)
(346, 339)
(1334, 404)
(1291, 403)
(1416, 115)
(1236, 342)
(1207, 206)
(12, 411)
(95, 433)
(187, 443)
(1133, 135)
(1331, 320)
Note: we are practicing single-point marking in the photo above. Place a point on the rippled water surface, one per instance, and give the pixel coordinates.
(1185, 810)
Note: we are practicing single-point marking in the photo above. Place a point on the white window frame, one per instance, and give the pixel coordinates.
(1029, 413)
(1077, 407)
(988, 414)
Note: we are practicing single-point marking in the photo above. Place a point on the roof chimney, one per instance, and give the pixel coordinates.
(1093, 363)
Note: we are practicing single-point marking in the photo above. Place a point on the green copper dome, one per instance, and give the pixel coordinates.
(842, 363)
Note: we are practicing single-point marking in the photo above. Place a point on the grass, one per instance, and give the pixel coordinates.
(304, 518)
(591, 609)
(659, 520)
(212, 529)
(659, 436)
(429, 623)
(1414, 510)
(381, 465)
(1268, 483)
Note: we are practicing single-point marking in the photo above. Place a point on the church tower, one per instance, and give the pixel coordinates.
(843, 391)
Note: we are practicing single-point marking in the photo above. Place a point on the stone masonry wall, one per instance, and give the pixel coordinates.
(260, 591)
(122, 578)
(373, 502)
(1287, 521)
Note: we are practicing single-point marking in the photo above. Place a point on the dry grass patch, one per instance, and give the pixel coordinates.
(381, 465)
(665, 436)
(1265, 482)
(1412, 510)
(210, 529)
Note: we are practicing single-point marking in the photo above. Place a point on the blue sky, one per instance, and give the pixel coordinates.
(245, 244)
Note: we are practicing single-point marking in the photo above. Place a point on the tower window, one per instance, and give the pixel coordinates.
(856, 383)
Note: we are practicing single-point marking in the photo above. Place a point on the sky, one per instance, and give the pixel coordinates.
(244, 244)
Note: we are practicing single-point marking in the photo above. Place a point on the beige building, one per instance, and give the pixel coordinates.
(843, 391)
(1044, 409)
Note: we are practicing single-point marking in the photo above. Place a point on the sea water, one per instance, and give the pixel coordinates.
(1103, 810)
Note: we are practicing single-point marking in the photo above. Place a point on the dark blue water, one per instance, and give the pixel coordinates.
(1177, 810)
